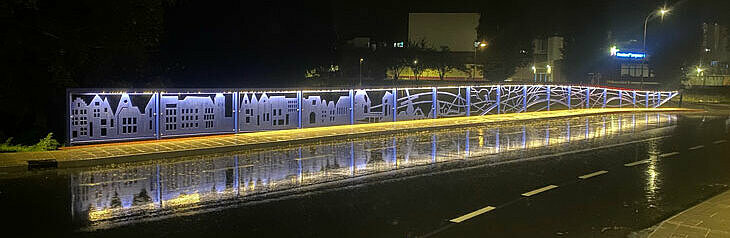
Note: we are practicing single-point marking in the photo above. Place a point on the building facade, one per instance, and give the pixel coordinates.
(546, 64)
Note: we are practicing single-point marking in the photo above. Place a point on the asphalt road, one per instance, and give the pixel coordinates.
(553, 178)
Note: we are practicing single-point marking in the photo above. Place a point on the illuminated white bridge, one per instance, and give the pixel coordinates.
(156, 114)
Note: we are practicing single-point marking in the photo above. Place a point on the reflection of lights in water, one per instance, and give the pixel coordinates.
(652, 174)
(633, 120)
(547, 134)
(524, 137)
(274, 170)
(481, 137)
(183, 199)
(496, 140)
(108, 213)
(100, 215)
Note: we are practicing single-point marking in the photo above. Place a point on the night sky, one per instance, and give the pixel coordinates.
(232, 42)
(227, 43)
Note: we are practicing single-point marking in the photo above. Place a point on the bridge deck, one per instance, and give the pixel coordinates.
(88, 155)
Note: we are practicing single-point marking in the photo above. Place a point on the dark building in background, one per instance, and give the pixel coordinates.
(546, 64)
(456, 32)
(626, 64)
(713, 68)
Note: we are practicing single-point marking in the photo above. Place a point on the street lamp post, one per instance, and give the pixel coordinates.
(549, 72)
(661, 12)
(477, 45)
(534, 73)
(415, 72)
(701, 75)
(360, 73)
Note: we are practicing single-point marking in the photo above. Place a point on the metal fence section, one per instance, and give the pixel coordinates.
(96, 115)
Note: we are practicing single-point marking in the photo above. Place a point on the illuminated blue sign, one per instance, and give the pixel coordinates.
(630, 55)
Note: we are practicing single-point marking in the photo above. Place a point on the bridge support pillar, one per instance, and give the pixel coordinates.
(570, 93)
(524, 98)
(352, 106)
(633, 99)
(468, 102)
(395, 104)
(299, 109)
(435, 103)
(499, 98)
(620, 98)
(157, 114)
(234, 104)
(547, 92)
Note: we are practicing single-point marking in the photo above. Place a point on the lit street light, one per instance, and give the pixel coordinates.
(415, 63)
(613, 50)
(360, 74)
(477, 45)
(534, 73)
(661, 12)
(700, 74)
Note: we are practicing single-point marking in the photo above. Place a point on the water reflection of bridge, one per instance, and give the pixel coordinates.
(110, 192)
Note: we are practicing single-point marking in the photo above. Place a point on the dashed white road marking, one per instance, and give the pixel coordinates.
(539, 190)
(668, 154)
(594, 174)
(696, 147)
(719, 141)
(637, 163)
(472, 214)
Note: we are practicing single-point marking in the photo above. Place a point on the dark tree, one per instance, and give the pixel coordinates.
(507, 38)
(394, 60)
(444, 61)
(50, 45)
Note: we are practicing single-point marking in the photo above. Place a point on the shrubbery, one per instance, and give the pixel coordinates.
(45, 144)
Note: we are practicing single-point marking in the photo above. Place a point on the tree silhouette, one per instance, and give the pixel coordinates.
(444, 61)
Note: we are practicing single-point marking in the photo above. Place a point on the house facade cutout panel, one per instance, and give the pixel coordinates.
(262, 111)
(371, 106)
(325, 108)
(195, 113)
(111, 116)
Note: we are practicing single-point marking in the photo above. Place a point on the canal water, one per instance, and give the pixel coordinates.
(399, 185)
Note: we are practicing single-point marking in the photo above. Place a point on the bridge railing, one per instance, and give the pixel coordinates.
(97, 115)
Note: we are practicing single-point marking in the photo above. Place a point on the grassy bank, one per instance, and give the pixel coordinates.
(45, 144)
(706, 95)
